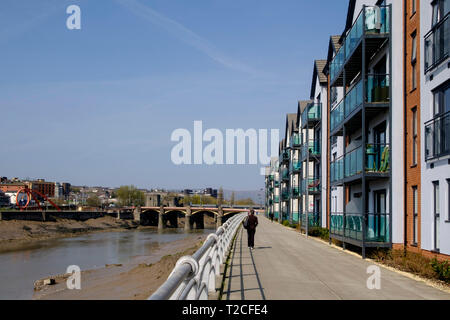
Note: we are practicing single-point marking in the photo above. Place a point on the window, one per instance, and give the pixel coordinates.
(440, 10)
(413, 6)
(414, 136)
(441, 98)
(413, 61)
(436, 214)
(415, 215)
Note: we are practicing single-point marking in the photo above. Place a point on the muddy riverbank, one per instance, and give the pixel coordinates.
(133, 280)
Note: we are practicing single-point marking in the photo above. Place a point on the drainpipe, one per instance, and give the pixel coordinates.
(405, 125)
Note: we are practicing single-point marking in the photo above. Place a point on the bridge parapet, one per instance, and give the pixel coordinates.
(194, 277)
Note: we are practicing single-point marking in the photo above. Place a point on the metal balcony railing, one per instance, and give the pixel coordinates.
(313, 219)
(437, 137)
(337, 170)
(350, 225)
(312, 112)
(377, 160)
(310, 185)
(437, 44)
(296, 140)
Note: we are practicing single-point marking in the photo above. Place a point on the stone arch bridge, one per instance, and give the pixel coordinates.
(193, 217)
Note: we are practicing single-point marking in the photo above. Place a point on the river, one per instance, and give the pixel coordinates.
(21, 267)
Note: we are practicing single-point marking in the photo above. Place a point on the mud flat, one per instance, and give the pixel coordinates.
(134, 280)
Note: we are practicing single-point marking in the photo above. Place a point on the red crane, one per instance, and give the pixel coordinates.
(32, 194)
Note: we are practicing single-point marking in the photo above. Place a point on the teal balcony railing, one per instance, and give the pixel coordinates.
(295, 216)
(353, 99)
(350, 225)
(285, 195)
(284, 157)
(296, 140)
(310, 185)
(311, 113)
(276, 199)
(276, 214)
(313, 147)
(337, 170)
(377, 88)
(276, 183)
(296, 166)
(353, 162)
(285, 174)
(377, 158)
(337, 116)
(437, 137)
(313, 219)
(371, 20)
(285, 213)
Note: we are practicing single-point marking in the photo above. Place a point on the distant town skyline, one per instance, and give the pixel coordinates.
(97, 106)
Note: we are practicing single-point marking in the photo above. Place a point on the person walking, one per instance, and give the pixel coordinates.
(250, 223)
(271, 216)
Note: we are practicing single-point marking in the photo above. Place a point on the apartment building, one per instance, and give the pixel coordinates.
(433, 219)
(273, 189)
(373, 158)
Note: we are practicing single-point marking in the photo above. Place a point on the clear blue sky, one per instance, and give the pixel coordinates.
(97, 106)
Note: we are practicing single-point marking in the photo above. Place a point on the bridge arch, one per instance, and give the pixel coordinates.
(149, 218)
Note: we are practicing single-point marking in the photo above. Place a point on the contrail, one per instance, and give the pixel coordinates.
(185, 34)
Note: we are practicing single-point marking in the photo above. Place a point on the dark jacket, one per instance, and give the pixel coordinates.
(252, 222)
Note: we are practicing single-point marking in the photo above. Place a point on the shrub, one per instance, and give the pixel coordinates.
(286, 223)
(319, 232)
(442, 269)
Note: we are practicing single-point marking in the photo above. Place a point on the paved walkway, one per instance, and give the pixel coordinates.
(288, 266)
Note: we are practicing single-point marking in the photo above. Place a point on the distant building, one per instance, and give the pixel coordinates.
(4, 200)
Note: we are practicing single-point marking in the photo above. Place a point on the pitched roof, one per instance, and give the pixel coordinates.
(291, 124)
(335, 41)
(301, 107)
(319, 65)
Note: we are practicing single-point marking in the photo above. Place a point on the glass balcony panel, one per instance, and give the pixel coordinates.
(377, 158)
(378, 229)
(337, 116)
(337, 223)
(354, 98)
(353, 162)
(354, 35)
(377, 20)
(377, 88)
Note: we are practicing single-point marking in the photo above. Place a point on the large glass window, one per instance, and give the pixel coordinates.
(442, 99)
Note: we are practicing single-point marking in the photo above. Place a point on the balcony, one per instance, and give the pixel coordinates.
(276, 183)
(285, 195)
(313, 220)
(285, 174)
(285, 213)
(337, 170)
(295, 166)
(310, 186)
(295, 216)
(311, 115)
(437, 44)
(437, 137)
(276, 199)
(285, 156)
(372, 22)
(377, 162)
(296, 192)
(375, 93)
(296, 140)
(313, 147)
(349, 226)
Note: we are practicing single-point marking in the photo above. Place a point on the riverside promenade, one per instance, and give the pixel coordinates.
(286, 265)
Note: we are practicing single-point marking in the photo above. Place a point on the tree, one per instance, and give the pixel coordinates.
(245, 202)
(130, 196)
(232, 199)
(220, 197)
(93, 201)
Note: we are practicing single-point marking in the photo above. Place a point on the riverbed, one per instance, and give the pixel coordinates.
(19, 269)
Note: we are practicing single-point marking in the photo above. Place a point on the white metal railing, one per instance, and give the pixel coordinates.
(194, 277)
